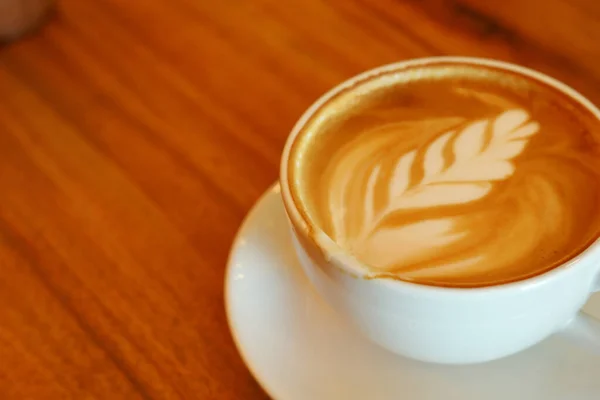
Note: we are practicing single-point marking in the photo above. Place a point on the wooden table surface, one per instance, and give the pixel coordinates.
(134, 137)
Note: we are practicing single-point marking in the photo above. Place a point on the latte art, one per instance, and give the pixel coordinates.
(458, 167)
(452, 175)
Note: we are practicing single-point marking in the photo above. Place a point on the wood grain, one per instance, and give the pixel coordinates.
(134, 137)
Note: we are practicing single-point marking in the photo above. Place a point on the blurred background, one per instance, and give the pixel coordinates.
(134, 137)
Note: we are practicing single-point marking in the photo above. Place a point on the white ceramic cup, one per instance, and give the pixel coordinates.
(438, 324)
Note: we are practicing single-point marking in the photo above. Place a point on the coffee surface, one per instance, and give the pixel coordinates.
(452, 175)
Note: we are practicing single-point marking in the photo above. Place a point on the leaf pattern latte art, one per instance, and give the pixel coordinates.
(458, 167)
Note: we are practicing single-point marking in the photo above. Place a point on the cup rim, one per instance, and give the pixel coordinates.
(349, 264)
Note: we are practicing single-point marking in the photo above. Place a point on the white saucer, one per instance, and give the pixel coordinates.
(298, 349)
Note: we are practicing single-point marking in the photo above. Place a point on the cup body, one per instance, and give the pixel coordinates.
(438, 324)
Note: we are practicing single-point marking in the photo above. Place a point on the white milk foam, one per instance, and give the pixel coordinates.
(480, 154)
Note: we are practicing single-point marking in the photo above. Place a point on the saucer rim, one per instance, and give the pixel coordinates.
(234, 330)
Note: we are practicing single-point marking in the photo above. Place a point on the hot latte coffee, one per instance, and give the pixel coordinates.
(451, 174)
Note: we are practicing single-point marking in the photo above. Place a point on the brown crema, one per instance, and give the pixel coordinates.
(451, 174)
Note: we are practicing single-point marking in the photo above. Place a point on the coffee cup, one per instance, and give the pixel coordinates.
(527, 276)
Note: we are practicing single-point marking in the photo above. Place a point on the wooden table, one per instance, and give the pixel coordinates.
(134, 137)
